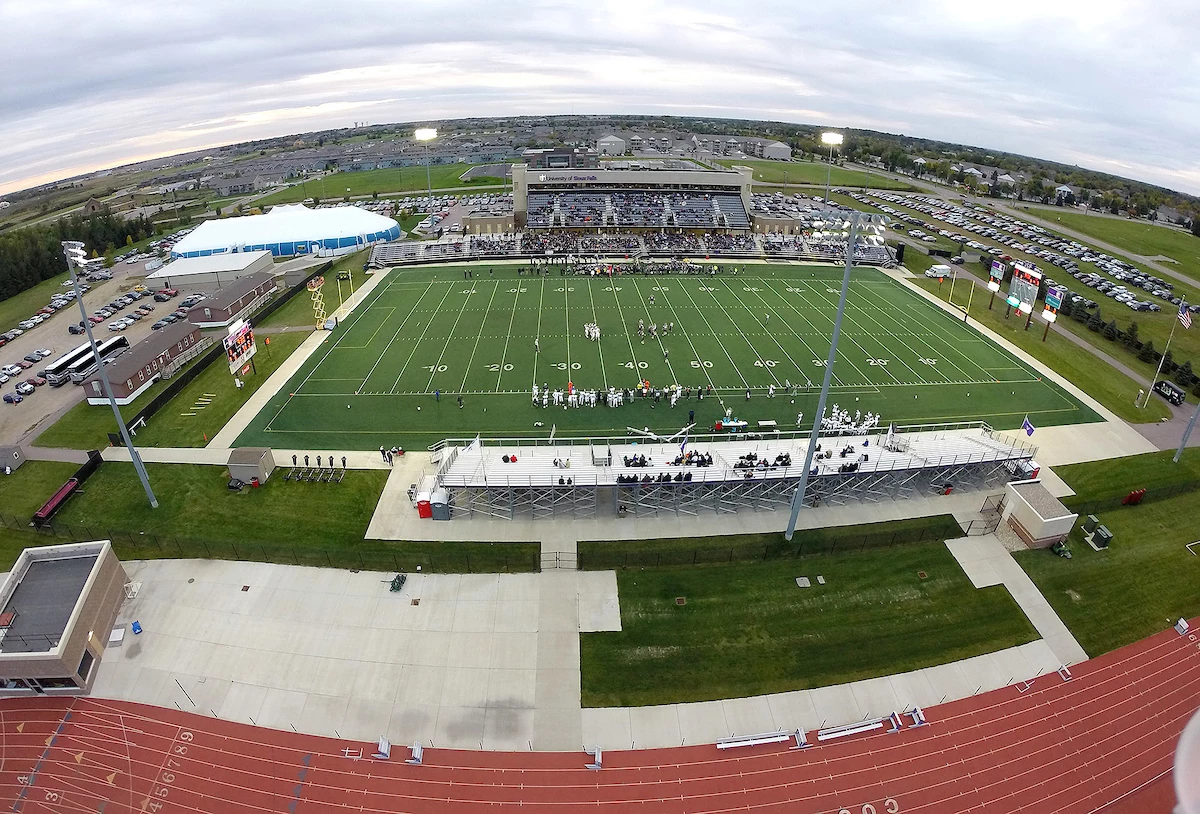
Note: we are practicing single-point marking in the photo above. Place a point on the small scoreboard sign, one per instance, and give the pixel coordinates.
(239, 345)
(997, 273)
(1054, 299)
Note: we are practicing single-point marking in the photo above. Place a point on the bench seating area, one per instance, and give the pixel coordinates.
(534, 465)
(42, 516)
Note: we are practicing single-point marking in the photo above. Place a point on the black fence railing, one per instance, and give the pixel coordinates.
(712, 551)
(1085, 507)
(462, 558)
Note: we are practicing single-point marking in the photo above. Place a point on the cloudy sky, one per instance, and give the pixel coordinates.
(87, 84)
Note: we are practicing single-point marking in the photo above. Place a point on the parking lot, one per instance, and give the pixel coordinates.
(19, 423)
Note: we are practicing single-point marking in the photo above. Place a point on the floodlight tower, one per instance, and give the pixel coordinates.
(426, 135)
(73, 251)
(833, 140)
(855, 221)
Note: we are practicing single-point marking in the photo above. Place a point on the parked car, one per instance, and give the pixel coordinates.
(75, 328)
(169, 292)
(25, 388)
(117, 326)
(158, 326)
(23, 364)
(180, 312)
(36, 381)
(10, 370)
(45, 353)
(147, 307)
(4, 378)
(33, 358)
(13, 398)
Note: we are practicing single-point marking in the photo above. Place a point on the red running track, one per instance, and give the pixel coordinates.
(1102, 740)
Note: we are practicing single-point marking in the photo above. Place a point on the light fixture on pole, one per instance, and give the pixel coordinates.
(73, 251)
(833, 140)
(856, 221)
(426, 135)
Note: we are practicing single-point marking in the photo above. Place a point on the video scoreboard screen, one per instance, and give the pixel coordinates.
(1054, 300)
(239, 345)
(997, 273)
(1023, 288)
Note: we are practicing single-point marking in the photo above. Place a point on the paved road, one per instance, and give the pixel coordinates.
(19, 423)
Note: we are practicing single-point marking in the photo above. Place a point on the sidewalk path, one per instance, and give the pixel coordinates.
(70, 456)
(987, 562)
(1072, 443)
(229, 433)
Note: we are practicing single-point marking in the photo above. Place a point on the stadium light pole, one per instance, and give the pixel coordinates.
(857, 220)
(73, 251)
(832, 139)
(426, 135)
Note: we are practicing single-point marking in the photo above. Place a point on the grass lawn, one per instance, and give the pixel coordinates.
(298, 310)
(24, 491)
(1140, 585)
(430, 330)
(385, 182)
(199, 517)
(596, 556)
(86, 426)
(1098, 379)
(748, 629)
(812, 172)
(24, 305)
(1116, 477)
(1137, 236)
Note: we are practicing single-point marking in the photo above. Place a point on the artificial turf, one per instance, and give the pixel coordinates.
(393, 371)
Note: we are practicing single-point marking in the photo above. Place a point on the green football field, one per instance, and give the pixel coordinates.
(393, 371)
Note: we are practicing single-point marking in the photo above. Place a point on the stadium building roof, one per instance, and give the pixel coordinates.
(290, 230)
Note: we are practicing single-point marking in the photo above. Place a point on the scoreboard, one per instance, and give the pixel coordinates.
(996, 278)
(1023, 289)
(239, 345)
(1054, 300)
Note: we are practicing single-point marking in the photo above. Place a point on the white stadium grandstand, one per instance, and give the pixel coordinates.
(286, 231)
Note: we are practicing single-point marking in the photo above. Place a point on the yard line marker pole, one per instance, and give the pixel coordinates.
(798, 495)
(74, 254)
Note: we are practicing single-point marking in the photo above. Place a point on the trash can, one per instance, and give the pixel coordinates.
(424, 509)
(254, 482)
(440, 505)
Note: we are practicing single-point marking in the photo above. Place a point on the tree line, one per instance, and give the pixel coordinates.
(34, 253)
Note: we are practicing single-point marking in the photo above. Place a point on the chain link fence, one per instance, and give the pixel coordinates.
(370, 555)
(758, 548)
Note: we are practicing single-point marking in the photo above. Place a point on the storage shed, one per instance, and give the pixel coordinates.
(1037, 516)
(11, 459)
(248, 463)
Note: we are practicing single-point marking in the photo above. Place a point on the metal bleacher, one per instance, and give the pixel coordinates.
(510, 478)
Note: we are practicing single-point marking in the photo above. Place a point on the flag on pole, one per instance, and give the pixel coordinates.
(1185, 316)
(683, 446)
(474, 445)
(1027, 425)
(553, 429)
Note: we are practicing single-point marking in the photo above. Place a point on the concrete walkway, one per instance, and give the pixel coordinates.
(228, 435)
(987, 562)
(487, 661)
(1072, 443)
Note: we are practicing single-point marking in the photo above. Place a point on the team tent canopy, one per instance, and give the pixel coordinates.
(290, 230)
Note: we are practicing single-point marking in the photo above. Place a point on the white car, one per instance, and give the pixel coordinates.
(939, 271)
(10, 370)
(45, 353)
(3, 378)
(119, 325)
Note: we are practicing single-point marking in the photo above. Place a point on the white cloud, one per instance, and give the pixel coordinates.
(92, 83)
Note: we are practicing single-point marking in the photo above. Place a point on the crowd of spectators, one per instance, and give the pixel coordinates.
(664, 242)
(638, 208)
(731, 244)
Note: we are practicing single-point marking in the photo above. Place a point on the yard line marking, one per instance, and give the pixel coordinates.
(417, 344)
(508, 336)
(818, 332)
(732, 363)
(858, 329)
(365, 307)
(538, 331)
(758, 356)
(794, 333)
(396, 334)
(596, 322)
(950, 340)
(769, 333)
(567, 322)
(450, 336)
(666, 358)
(695, 353)
(625, 328)
(471, 361)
